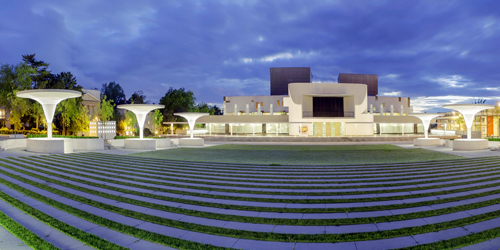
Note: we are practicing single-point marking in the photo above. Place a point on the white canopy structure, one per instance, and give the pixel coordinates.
(140, 111)
(468, 111)
(191, 117)
(426, 120)
(49, 98)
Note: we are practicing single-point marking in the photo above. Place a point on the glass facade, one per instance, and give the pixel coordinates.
(328, 129)
(249, 128)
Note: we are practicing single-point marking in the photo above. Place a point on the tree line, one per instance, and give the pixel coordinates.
(71, 115)
(175, 101)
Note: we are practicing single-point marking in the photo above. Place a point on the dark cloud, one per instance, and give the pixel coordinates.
(217, 48)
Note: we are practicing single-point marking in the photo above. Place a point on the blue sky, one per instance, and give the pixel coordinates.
(436, 52)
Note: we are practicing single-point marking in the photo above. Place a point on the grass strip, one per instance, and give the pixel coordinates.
(26, 236)
(250, 234)
(457, 242)
(305, 201)
(358, 167)
(87, 238)
(182, 167)
(257, 219)
(88, 169)
(356, 192)
(202, 175)
(355, 168)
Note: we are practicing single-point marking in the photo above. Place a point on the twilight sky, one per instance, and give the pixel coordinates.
(436, 51)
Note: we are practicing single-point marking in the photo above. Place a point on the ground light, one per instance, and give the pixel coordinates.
(469, 111)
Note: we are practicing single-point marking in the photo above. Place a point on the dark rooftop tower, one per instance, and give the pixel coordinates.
(281, 77)
(370, 80)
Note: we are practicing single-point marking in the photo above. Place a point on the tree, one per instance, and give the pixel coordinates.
(7, 77)
(130, 121)
(138, 98)
(37, 113)
(74, 117)
(42, 75)
(19, 107)
(157, 121)
(113, 91)
(205, 108)
(106, 109)
(64, 80)
(177, 100)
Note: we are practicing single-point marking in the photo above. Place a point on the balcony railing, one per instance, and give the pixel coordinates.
(327, 114)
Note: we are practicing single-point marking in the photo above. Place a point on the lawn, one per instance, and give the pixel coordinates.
(299, 155)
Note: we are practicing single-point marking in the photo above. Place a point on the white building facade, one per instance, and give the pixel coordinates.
(315, 109)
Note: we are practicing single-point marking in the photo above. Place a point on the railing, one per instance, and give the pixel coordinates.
(327, 114)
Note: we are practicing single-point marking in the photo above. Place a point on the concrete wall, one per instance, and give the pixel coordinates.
(13, 143)
(117, 142)
(88, 144)
(43, 145)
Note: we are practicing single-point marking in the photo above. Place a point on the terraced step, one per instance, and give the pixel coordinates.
(174, 204)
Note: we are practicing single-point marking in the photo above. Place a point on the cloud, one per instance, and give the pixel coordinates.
(393, 93)
(215, 48)
(455, 81)
(432, 104)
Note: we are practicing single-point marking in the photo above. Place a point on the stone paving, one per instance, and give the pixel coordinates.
(240, 200)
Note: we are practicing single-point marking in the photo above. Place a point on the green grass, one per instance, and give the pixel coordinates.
(87, 238)
(268, 209)
(25, 235)
(299, 155)
(222, 231)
